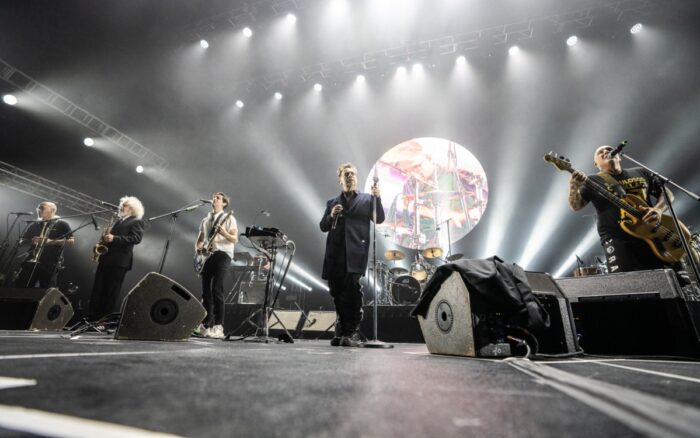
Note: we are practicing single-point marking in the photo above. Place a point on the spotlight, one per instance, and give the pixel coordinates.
(240, 104)
(247, 32)
(636, 28)
(401, 70)
(291, 18)
(87, 141)
(9, 99)
(360, 79)
(318, 87)
(514, 50)
(572, 40)
(461, 60)
(204, 43)
(139, 169)
(278, 95)
(417, 67)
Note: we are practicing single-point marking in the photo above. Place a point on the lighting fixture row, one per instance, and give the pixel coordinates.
(248, 32)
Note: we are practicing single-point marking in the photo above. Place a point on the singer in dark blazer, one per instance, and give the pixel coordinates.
(347, 221)
(112, 266)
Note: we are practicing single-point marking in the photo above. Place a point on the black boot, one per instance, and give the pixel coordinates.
(338, 334)
(352, 337)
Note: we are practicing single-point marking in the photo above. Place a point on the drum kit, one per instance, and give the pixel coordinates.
(401, 286)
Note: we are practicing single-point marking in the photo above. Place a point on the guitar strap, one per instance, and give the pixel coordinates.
(612, 184)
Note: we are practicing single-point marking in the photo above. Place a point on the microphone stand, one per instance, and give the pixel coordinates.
(5, 244)
(173, 218)
(663, 181)
(449, 239)
(375, 343)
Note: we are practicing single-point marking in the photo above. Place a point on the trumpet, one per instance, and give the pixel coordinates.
(101, 247)
(43, 237)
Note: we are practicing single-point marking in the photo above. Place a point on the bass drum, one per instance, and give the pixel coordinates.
(405, 290)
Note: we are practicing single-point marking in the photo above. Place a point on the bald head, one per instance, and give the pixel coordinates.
(46, 210)
(603, 161)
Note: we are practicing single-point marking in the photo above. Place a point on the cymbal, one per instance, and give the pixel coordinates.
(394, 254)
(454, 257)
(398, 271)
(432, 253)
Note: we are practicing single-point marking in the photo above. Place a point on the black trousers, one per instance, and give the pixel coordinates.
(30, 274)
(106, 290)
(213, 276)
(624, 255)
(347, 296)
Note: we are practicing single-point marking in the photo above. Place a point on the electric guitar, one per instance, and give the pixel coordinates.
(200, 258)
(662, 238)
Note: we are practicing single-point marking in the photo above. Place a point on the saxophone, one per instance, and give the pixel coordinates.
(100, 247)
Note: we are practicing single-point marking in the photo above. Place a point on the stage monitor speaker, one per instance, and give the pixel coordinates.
(634, 313)
(318, 324)
(34, 309)
(560, 336)
(159, 309)
(448, 327)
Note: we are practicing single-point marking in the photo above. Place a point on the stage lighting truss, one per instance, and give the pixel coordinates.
(431, 53)
(80, 115)
(45, 189)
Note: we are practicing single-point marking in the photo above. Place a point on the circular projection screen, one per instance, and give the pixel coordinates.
(426, 184)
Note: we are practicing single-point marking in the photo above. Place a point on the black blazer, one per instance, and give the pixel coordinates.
(347, 246)
(127, 233)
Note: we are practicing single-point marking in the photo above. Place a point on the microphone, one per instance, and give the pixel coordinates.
(618, 149)
(94, 222)
(206, 201)
(335, 220)
(375, 179)
(107, 204)
(22, 213)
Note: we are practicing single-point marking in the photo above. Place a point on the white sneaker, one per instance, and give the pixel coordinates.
(216, 332)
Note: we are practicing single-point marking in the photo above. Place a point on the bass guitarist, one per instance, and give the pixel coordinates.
(623, 251)
(218, 232)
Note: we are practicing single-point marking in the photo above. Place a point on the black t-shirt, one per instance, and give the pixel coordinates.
(51, 253)
(634, 181)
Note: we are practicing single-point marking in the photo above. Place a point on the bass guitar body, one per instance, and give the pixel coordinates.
(661, 238)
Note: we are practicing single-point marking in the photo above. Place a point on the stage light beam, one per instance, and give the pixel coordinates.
(291, 18)
(636, 28)
(87, 141)
(139, 169)
(514, 50)
(247, 32)
(318, 87)
(278, 95)
(204, 44)
(240, 104)
(461, 60)
(572, 40)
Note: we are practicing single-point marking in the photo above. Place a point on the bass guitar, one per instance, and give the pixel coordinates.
(662, 238)
(200, 258)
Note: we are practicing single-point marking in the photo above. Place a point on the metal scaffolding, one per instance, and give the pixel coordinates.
(102, 129)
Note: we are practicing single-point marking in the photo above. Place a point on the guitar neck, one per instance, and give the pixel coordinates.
(617, 202)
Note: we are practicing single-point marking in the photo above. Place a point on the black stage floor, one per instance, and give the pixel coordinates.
(210, 388)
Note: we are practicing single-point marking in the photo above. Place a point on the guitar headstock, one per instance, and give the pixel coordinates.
(560, 163)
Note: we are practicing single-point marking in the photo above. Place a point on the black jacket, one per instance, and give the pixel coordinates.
(127, 233)
(494, 286)
(347, 246)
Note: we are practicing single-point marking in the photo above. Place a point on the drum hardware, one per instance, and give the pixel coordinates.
(419, 269)
(398, 271)
(405, 290)
(453, 257)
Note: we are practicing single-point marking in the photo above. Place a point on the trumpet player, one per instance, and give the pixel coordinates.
(117, 257)
(47, 236)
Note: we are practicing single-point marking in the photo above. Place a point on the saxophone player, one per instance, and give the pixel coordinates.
(47, 235)
(113, 264)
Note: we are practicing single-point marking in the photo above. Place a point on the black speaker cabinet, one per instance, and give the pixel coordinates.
(634, 313)
(159, 309)
(244, 320)
(34, 309)
(560, 336)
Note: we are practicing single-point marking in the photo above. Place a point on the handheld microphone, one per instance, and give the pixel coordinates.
(618, 149)
(94, 222)
(107, 204)
(335, 220)
(22, 213)
(206, 201)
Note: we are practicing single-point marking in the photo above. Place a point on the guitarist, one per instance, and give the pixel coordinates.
(623, 251)
(219, 232)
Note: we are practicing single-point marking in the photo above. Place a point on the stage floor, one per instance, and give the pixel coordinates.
(211, 388)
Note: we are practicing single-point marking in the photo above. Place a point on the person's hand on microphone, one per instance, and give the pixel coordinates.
(336, 210)
(375, 191)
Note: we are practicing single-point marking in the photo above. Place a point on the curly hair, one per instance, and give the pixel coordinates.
(135, 204)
